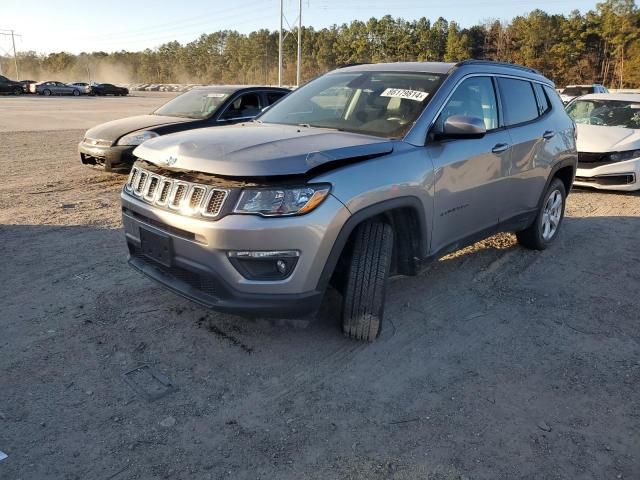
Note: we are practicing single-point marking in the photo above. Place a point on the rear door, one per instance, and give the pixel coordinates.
(531, 129)
(468, 171)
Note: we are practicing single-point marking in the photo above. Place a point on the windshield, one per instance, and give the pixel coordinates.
(577, 91)
(608, 113)
(383, 104)
(193, 104)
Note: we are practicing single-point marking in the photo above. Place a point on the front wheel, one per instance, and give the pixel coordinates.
(46, 92)
(17, 91)
(367, 272)
(76, 93)
(545, 227)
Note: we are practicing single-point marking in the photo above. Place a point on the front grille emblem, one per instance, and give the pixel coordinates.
(170, 160)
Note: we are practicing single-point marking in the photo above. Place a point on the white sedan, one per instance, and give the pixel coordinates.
(608, 144)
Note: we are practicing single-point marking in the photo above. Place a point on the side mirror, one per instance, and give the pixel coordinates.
(462, 126)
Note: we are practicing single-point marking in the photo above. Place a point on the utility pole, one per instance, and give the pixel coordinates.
(282, 38)
(299, 62)
(12, 34)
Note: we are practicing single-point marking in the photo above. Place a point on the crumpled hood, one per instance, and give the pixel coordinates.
(115, 129)
(599, 139)
(257, 150)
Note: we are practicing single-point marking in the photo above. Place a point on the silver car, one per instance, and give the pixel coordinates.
(365, 172)
(51, 87)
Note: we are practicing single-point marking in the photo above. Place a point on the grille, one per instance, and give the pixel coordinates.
(173, 194)
(214, 203)
(178, 195)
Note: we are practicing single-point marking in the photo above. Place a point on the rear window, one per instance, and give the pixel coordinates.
(543, 101)
(518, 101)
(577, 91)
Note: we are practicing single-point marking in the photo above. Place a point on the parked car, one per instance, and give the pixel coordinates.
(573, 91)
(109, 146)
(51, 87)
(10, 86)
(83, 87)
(365, 172)
(108, 89)
(26, 85)
(608, 140)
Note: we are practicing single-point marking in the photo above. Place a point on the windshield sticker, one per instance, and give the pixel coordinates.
(216, 95)
(402, 93)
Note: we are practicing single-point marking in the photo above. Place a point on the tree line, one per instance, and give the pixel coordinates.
(601, 45)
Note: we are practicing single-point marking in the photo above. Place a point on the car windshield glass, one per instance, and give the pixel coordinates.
(384, 104)
(193, 104)
(608, 113)
(577, 91)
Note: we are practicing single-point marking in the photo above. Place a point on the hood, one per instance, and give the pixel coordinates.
(114, 129)
(257, 150)
(599, 139)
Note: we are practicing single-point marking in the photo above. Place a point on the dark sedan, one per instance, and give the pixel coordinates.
(109, 146)
(108, 89)
(10, 86)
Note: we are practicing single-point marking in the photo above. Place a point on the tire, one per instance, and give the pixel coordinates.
(17, 91)
(46, 92)
(367, 272)
(539, 236)
(76, 93)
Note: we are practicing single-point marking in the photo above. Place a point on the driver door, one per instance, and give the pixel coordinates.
(468, 172)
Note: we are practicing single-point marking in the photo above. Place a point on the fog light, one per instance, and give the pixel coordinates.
(264, 265)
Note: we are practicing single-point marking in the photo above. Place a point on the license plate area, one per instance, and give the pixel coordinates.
(156, 246)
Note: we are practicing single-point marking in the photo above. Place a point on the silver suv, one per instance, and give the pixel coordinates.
(365, 172)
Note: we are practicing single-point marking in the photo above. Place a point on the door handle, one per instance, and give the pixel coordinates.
(548, 134)
(500, 147)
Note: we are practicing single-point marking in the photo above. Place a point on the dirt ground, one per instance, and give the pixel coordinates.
(495, 363)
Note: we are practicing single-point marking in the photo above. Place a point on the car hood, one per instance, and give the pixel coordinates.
(257, 150)
(115, 129)
(599, 139)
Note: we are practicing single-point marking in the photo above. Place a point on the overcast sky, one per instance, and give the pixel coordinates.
(79, 25)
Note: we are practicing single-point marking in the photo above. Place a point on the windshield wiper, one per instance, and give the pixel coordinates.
(308, 125)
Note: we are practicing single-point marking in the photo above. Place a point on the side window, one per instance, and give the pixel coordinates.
(247, 105)
(543, 101)
(474, 97)
(518, 101)
(554, 98)
(273, 97)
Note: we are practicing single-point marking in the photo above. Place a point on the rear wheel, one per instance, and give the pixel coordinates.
(17, 91)
(545, 228)
(76, 93)
(367, 272)
(46, 92)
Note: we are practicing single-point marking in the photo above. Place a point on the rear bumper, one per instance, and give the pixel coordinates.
(110, 159)
(622, 176)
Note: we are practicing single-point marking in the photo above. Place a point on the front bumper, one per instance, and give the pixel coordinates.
(200, 269)
(621, 176)
(116, 158)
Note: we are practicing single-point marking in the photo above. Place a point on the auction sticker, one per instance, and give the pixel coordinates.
(416, 95)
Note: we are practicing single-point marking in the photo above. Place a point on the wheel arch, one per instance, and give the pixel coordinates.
(565, 170)
(407, 217)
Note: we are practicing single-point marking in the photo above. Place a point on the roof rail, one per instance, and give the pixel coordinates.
(501, 64)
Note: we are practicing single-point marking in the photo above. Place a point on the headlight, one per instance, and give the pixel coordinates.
(620, 156)
(274, 202)
(137, 138)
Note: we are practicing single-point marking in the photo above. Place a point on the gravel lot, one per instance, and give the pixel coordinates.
(496, 362)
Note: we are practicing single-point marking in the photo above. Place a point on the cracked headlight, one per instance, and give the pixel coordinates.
(137, 138)
(273, 202)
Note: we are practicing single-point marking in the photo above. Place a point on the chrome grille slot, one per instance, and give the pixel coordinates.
(189, 198)
(197, 194)
(133, 177)
(214, 203)
(151, 188)
(142, 179)
(179, 192)
(164, 192)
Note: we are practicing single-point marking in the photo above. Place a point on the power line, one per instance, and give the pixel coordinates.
(13, 36)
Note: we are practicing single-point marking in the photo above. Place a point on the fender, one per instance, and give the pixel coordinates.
(367, 213)
(567, 162)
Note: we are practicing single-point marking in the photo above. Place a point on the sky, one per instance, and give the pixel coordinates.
(76, 25)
